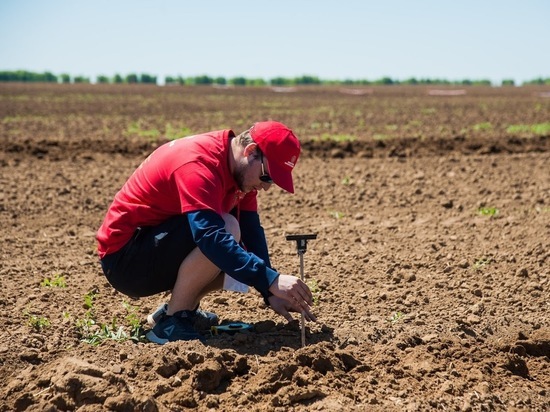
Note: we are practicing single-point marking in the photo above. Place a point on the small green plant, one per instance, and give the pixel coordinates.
(37, 322)
(539, 129)
(481, 263)
(95, 333)
(336, 215)
(132, 318)
(56, 281)
(106, 332)
(480, 127)
(346, 181)
(395, 317)
(89, 299)
(488, 211)
(315, 291)
(135, 129)
(173, 133)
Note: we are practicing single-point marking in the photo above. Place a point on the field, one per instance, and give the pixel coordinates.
(431, 269)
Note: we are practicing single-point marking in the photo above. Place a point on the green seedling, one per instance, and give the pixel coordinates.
(89, 299)
(57, 281)
(346, 181)
(395, 317)
(95, 333)
(315, 291)
(135, 129)
(488, 211)
(480, 127)
(336, 215)
(173, 133)
(132, 318)
(480, 263)
(37, 322)
(105, 332)
(539, 129)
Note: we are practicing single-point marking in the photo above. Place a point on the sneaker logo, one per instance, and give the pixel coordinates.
(168, 330)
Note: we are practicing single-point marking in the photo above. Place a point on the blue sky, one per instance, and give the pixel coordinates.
(346, 39)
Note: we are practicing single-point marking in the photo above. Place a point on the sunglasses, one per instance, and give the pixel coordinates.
(264, 177)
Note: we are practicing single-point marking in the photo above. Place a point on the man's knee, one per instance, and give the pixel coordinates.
(232, 226)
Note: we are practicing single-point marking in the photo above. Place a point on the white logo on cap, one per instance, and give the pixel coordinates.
(291, 162)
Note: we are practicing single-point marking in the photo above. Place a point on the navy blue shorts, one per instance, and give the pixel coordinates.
(148, 264)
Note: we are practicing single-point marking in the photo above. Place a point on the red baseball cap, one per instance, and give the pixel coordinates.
(281, 149)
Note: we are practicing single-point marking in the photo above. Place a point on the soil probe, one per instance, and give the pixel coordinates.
(301, 247)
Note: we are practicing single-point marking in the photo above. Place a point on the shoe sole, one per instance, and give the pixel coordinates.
(152, 337)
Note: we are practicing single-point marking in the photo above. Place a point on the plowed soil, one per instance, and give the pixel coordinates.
(431, 267)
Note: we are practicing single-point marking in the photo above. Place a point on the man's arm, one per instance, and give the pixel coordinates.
(222, 249)
(253, 235)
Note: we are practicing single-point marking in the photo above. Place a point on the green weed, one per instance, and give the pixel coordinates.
(539, 129)
(481, 127)
(396, 317)
(315, 290)
(94, 333)
(37, 322)
(336, 215)
(89, 299)
(173, 133)
(135, 129)
(133, 320)
(481, 263)
(488, 211)
(57, 281)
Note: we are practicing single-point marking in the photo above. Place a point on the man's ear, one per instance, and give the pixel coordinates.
(250, 149)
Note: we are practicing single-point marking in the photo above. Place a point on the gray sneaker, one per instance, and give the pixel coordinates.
(203, 320)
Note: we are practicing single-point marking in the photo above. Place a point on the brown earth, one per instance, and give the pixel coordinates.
(424, 303)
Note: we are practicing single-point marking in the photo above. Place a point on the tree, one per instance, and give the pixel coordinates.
(280, 81)
(307, 80)
(148, 79)
(202, 80)
(131, 78)
(102, 79)
(238, 81)
(65, 78)
(81, 79)
(256, 82)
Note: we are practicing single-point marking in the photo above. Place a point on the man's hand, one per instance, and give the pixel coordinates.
(295, 296)
(283, 307)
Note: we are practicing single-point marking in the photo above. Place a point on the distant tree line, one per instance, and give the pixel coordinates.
(47, 77)
(26, 76)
